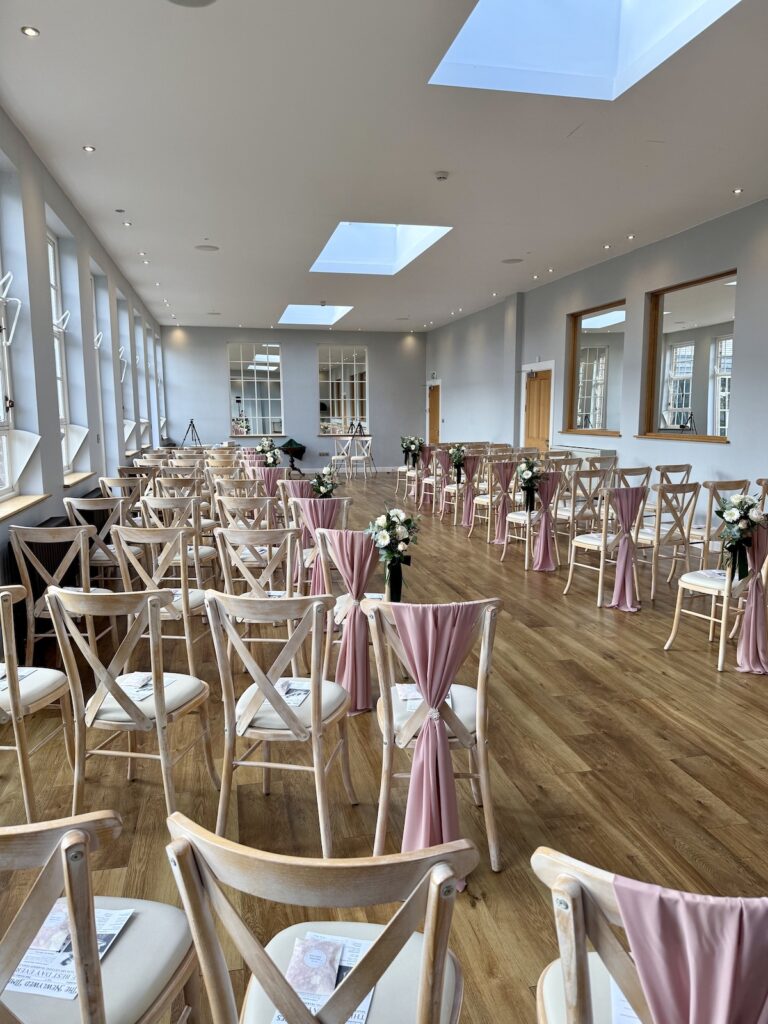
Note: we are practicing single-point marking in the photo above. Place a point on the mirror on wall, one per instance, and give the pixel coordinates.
(343, 386)
(255, 390)
(691, 353)
(596, 355)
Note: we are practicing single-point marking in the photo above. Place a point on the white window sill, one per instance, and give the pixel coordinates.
(17, 503)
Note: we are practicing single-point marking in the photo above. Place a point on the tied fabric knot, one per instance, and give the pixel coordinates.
(434, 714)
(344, 605)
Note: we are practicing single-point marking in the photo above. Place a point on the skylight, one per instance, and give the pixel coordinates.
(594, 50)
(594, 323)
(359, 248)
(308, 316)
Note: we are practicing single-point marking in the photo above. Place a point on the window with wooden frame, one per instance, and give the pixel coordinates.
(60, 320)
(690, 359)
(595, 357)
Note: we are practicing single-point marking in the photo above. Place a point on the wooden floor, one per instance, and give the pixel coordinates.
(604, 747)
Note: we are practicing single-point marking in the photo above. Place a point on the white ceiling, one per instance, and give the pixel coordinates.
(260, 125)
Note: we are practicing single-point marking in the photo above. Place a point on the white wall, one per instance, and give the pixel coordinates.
(197, 384)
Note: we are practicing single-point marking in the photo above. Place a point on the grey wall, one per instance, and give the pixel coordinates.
(197, 384)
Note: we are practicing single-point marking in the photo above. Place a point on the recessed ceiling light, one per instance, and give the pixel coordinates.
(730, 284)
(607, 245)
(30, 31)
(142, 254)
(535, 277)
(493, 295)
(460, 309)
(239, 325)
(738, 191)
(207, 248)
(145, 261)
(157, 284)
(452, 313)
(550, 270)
(89, 149)
(126, 223)
(630, 238)
(271, 327)
(193, 3)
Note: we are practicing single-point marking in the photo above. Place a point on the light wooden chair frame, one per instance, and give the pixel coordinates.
(342, 453)
(255, 558)
(142, 613)
(580, 505)
(520, 525)
(672, 522)
(390, 666)
(183, 513)
(310, 554)
(362, 457)
(241, 513)
(423, 883)
(718, 491)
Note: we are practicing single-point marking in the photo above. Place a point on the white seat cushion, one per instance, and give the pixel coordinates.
(179, 689)
(454, 487)
(152, 946)
(196, 600)
(517, 517)
(207, 524)
(395, 994)
(205, 551)
(710, 579)
(646, 535)
(482, 499)
(35, 684)
(333, 696)
(98, 555)
(463, 702)
(594, 540)
(551, 1005)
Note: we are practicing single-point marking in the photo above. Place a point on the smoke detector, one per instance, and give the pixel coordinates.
(441, 175)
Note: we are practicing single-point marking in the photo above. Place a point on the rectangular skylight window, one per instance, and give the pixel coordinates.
(360, 248)
(595, 50)
(613, 316)
(309, 316)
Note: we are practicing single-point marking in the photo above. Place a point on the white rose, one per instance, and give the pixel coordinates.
(326, 470)
(402, 546)
(397, 514)
(743, 524)
(383, 539)
(401, 532)
(527, 474)
(381, 521)
(731, 515)
(756, 515)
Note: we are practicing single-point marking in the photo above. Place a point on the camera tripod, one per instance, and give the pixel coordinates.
(193, 435)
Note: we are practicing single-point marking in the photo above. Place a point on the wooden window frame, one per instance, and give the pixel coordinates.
(571, 364)
(654, 301)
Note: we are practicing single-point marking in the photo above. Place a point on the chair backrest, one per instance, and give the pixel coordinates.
(762, 483)
(305, 622)
(391, 660)
(679, 473)
(9, 596)
(141, 612)
(718, 492)
(170, 512)
(632, 476)
(298, 515)
(568, 466)
(61, 851)
(422, 883)
(173, 486)
(606, 462)
(363, 447)
(235, 488)
(584, 495)
(188, 462)
(161, 559)
(130, 488)
(244, 513)
(675, 508)
(74, 543)
(609, 499)
(550, 456)
(260, 562)
(102, 514)
(230, 472)
(342, 447)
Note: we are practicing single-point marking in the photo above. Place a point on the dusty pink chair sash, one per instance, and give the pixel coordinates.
(354, 554)
(544, 549)
(471, 462)
(504, 472)
(444, 462)
(426, 465)
(701, 959)
(300, 489)
(752, 649)
(319, 513)
(269, 475)
(627, 502)
(436, 639)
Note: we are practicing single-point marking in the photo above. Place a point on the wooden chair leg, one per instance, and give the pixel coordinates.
(227, 774)
(490, 820)
(78, 785)
(166, 768)
(723, 634)
(474, 782)
(205, 729)
(29, 647)
(571, 570)
(346, 773)
(676, 620)
(25, 769)
(131, 762)
(601, 577)
(192, 998)
(65, 706)
(321, 789)
(712, 617)
(266, 772)
(654, 571)
(506, 542)
(385, 790)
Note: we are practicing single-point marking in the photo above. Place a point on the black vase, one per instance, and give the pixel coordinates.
(405, 458)
(394, 581)
(414, 459)
(458, 475)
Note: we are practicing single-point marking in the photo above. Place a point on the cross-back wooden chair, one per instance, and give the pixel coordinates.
(362, 457)
(188, 462)
(678, 473)
(485, 504)
(245, 513)
(155, 945)
(675, 507)
(466, 716)
(237, 488)
(567, 466)
(71, 545)
(632, 476)
(410, 968)
(230, 471)
(309, 554)
(524, 525)
(453, 491)
(579, 507)
(172, 695)
(128, 488)
(555, 455)
(261, 715)
(288, 489)
(342, 453)
(185, 513)
(707, 536)
(171, 486)
(762, 483)
(162, 564)
(604, 543)
(603, 462)
(103, 514)
(260, 563)
(23, 692)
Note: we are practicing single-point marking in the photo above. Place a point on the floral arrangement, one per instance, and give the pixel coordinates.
(265, 446)
(393, 533)
(411, 446)
(741, 516)
(529, 473)
(456, 454)
(272, 457)
(324, 483)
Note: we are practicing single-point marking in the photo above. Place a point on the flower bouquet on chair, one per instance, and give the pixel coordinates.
(265, 446)
(412, 446)
(456, 454)
(393, 533)
(273, 457)
(324, 483)
(529, 473)
(741, 516)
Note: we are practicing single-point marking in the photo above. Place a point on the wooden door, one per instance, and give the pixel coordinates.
(538, 395)
(433, 417)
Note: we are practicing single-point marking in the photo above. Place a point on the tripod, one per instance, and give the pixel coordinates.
(193, 435)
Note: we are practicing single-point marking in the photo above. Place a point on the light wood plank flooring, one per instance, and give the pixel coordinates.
(605, 747)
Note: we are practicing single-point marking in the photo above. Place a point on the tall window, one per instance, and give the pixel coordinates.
(255, 390)
(723, 364)
(592, 379)
(7, 323)
(343, 384)
(679, 385)
(60, 319)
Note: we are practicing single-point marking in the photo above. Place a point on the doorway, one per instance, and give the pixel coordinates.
(433, 414)
(538, 408)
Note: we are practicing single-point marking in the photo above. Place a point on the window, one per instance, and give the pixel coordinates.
(7, 325)
(595, 359)
(343, 384)
(690, 358)
(255, 390)
(60, 321)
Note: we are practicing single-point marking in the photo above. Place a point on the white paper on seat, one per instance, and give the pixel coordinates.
(293, 691)
(353, 950)
(48, 966)
(621, 1011)
(411, 696)
(23, 673)
(138, 685)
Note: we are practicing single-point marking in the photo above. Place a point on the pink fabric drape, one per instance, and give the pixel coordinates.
(436, 639)
(471, 462)
(752, 649)
(544, 550)
(504, 472)
(354, 554)
(700, 958)
(300, 489)
(425, 458)
(627, 502)
(444, 462)
(269, 475)
(319, 512)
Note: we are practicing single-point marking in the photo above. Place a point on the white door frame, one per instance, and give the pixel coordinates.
(544, 364)
(430, 382)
